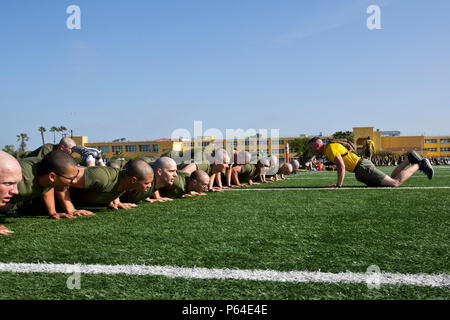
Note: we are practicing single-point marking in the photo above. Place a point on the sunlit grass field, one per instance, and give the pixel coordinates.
(401, 230)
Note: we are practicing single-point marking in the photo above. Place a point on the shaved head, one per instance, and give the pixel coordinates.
(286, 168)
(243, 157)
(165, 171)
(140, 174)
(220, 156)
(316, 146)
(67, 142)
(164, 163)
(295, 164)
(10, 176)
(273, 160)
(139, 169)
(199, 180)
(264, 162)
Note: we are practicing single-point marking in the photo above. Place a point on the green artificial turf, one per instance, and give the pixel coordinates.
(401, 231)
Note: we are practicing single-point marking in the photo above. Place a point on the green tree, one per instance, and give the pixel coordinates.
(118, 154)
(23, 138)
(301, 147)
(344, 135)
(42, 130)
(62, 130)
(10, 149)
(54, 130)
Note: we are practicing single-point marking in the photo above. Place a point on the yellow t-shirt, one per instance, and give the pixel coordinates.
(332, 150)
(370, 145)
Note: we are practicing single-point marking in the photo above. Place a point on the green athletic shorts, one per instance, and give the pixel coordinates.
(367, 173)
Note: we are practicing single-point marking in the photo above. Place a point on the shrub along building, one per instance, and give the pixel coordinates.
(390, 141)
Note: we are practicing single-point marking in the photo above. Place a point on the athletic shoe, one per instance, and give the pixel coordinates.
(414, 157)
(425, 167)
(84, 151)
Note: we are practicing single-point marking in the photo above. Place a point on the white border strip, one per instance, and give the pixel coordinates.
(438, 280)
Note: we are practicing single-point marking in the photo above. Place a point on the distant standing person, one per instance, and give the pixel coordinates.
(369, 149)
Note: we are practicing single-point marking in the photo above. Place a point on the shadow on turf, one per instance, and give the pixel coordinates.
(306, 187)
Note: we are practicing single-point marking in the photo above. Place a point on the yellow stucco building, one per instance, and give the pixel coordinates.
(427, 146)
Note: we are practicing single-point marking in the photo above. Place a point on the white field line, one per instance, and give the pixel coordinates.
(343, 188)
(428, 280)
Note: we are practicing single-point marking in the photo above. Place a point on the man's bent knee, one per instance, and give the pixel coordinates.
(389, 182)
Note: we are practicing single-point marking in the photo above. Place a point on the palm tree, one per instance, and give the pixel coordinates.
(344, 135)
(42, 130)
(9, 148)
(54, 130)
(23, 137)
(62, 130)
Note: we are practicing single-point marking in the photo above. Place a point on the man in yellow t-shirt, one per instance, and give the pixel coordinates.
(365, 171)
(369, 149)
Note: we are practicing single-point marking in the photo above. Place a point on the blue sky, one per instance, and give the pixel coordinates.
(141, 69)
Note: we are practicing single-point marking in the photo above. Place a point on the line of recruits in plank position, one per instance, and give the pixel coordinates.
(32, 183)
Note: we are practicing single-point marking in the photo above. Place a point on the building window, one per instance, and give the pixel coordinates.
(117, 148)
(130, 148)
(431, 149)
(430, 140)
(445, 149)
(155, 148)
(281, 142)
(144, 148)
(445, 140)
(104, 149)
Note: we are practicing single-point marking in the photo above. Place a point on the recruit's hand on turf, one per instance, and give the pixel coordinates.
(58, 216)
(164, 199)
(125, 206)
(79, 213)
(153, 200)
(4, 230)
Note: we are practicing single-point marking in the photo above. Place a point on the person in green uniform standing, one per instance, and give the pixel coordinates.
(10, 176)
